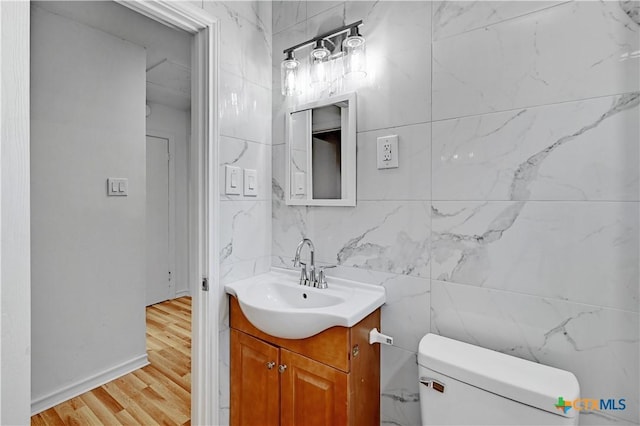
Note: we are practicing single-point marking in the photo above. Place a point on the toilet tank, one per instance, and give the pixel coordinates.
(463, 384)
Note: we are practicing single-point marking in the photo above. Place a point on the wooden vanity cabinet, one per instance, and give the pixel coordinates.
(254, 380)
(330, 379)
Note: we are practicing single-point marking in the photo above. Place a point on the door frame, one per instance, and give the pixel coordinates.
(203, 200)
(171, 145)
(15, 248)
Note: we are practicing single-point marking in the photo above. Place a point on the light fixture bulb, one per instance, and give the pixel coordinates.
(354, 41)
(320, 51)
(319, 74)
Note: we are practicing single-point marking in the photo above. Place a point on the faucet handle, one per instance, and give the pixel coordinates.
(304, 278)
(322, 277)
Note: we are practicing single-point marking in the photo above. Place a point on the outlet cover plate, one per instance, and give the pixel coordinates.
(118, 187)
(387, 152)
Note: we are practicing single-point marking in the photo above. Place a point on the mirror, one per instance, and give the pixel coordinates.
(321, 153)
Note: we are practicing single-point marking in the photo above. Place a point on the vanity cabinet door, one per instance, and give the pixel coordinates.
(255, 388)
(313, 394)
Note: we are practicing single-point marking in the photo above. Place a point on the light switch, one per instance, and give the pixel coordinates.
(250, 182)
(298, 187)
(387, 152)
(232, 180)
(117, 186)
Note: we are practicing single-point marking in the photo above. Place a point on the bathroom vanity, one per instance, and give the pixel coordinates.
(331, 378)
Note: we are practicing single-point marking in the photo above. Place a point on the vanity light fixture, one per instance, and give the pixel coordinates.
(329, 62)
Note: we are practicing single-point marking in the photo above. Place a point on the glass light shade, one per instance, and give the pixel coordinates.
(319, 73)
(289, 81)
(355, 61)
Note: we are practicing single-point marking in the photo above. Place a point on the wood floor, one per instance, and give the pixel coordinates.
(158, 394)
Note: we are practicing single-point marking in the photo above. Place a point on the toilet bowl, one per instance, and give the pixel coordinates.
(463, 384)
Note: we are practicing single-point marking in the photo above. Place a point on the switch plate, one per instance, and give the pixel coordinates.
(250, 182)
(117, 187)
(232, 180)
(388, 152)
(299, 184)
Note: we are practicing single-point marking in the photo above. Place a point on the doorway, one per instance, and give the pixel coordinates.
(203, 179)
(158, 278)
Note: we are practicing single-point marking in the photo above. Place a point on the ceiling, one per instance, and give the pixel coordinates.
(168, 49)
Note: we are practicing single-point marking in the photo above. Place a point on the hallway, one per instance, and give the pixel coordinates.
(159, 393)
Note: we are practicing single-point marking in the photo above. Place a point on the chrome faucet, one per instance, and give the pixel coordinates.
(305, 278)
(311, 277)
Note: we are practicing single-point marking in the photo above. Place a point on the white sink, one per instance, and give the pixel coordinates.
(276, 304)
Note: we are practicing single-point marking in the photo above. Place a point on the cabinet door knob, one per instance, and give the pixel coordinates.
(270, 365)
(282, 367)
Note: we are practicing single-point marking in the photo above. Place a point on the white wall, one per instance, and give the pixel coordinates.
(88, 250)
(15, 321)
(176, 124)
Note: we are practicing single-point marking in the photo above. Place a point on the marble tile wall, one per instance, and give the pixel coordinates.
(513, 220)
(245, 141)
(535, 185)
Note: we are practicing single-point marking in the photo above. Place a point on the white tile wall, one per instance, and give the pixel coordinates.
(245, 141)
(524, 154)
(398, 88)
(599, 345)
(572, 51)
(456, 17)
(400, 398)
(513, 220)
(564, 250)
(411, 181)
(286, 14)
(535, 171)
(247, 155)
(244, 109)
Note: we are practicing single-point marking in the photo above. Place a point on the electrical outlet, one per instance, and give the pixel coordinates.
(387, 152)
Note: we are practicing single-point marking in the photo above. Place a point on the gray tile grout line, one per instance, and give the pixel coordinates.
(588, 98)
(572, 302)
(503, 21)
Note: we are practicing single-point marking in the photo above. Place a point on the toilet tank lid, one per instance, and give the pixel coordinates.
(523, 381)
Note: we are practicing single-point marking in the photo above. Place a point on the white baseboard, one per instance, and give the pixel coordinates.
(78, 388)
(182, 293)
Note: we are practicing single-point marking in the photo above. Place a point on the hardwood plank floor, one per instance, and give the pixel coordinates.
(158, 394)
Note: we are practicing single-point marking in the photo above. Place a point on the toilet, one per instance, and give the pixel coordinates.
(463, 384)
